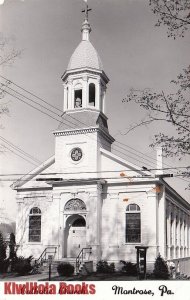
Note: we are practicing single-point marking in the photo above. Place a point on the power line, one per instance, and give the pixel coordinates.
(90, 172)
(20, 150)
(74, 179)
(30, 100)
(32, 94)
(19, 156)
(89, 178)
(14, 96)
(113, 147)
(153, 159)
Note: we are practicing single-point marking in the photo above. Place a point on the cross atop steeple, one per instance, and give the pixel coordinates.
(86, 10)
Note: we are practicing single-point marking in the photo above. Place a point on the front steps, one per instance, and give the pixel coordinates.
(85, 268)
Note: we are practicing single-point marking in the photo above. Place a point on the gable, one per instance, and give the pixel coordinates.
(30, 180)
(117, 166)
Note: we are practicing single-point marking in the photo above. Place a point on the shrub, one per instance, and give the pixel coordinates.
(4, 263)
(129, 268)
(103, 267)
(160, 268)
(23, 265)
(12, 251)
(12, 247)
(65, 269)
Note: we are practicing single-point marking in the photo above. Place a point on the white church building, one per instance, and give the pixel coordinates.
(87, 197)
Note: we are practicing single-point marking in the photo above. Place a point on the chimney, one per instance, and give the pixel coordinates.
(159, 161)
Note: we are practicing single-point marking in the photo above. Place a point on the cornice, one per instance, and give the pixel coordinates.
(84, 131)
(82, 70)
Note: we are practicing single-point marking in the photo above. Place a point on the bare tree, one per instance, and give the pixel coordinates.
(7, 57)
(170, 108)
(7, 53)
(175, 14)
(173, 109)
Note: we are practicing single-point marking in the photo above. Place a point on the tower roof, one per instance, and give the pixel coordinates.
(85, 55)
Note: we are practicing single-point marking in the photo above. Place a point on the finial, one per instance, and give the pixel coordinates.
(86, 10)
(86, 29)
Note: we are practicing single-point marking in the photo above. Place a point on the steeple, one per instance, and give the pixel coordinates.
(84, 80)
(83, 129)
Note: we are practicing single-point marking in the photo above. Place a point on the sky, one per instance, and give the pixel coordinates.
(135, 54)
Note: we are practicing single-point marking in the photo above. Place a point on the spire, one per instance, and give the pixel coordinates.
(86, 29)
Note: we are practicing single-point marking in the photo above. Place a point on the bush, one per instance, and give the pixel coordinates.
(4, 264)
(23, 265)
(129, 268)
(65, 269)
(160, 268)
(103, 267)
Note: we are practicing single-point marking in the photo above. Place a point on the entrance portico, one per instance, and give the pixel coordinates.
(74, 235)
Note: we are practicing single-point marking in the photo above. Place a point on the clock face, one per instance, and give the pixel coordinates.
(76, 154)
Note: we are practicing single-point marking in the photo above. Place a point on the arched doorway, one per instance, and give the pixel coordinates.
(74, 235)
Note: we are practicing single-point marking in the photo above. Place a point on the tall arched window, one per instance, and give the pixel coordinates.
(133, 224)
(92, 94)
(35, 225)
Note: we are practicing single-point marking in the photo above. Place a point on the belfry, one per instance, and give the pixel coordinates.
(86, 204)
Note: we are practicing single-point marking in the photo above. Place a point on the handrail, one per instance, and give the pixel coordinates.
(80, 257)
(44, 253)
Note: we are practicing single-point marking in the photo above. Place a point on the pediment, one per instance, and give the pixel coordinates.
(30, 179)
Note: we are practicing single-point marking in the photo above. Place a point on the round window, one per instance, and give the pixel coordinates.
(76, 154)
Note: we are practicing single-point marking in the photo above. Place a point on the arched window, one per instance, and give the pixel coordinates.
(78, 96)
(35, 225)
(92, 94)
(133, 224)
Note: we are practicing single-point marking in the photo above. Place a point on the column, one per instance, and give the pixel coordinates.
(85, 92)
(185, 235)
(182, 236)
(188, 233)
(57, 219)
(65, 102)
(174, 231)
(103, 100)
(162, 223)
(168, 230)
(70, 98)
(97, 95)
(178, 233)
(99, 219)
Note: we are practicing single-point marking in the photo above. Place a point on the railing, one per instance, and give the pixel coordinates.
(45, 254)
(81, 256)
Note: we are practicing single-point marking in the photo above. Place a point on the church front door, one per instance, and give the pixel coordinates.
(75, 238)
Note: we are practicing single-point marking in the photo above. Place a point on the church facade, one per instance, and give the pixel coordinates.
(87, 197)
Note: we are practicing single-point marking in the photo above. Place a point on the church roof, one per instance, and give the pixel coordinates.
(85, 55)
(83, 119)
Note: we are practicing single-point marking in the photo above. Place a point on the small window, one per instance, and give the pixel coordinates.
(35, 225)
(133, 224)
(92, 94)
(78, 98)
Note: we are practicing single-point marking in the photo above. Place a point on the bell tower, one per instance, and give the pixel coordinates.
(83, 130)
(84, 80)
